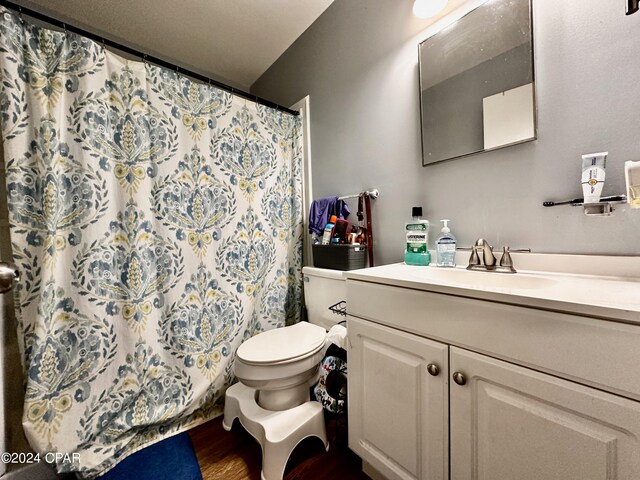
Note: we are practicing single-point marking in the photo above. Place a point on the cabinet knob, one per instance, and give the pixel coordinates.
(433, 369)
(459, 378)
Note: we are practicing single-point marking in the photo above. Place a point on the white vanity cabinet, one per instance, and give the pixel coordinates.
(398, 401)
(520, 393)
(510, 422)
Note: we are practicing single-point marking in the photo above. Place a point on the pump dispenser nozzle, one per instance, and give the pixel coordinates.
(446, 228)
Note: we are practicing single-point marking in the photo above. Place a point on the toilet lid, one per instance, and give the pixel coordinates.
(281, 344)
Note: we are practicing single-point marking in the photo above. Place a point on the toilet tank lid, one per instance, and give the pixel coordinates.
(281, 344)
(323, 272)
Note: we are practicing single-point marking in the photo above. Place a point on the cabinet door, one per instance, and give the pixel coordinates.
(512, 423)
(398, 403)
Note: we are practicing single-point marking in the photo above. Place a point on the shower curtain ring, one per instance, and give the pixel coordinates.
(144, 59)
(20, 14)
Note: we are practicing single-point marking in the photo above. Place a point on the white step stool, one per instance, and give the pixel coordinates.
(277, 432)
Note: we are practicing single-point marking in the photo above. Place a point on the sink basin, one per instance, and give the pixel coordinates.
(482, 280)
(593, 286)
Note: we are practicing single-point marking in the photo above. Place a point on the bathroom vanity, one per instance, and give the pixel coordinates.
(470, 375)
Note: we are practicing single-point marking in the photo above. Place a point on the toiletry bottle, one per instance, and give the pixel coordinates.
(446, 247)
(417, 230)
(340, 230)
(328, 230)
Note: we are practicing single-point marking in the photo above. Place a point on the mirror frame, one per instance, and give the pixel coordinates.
(533, 81)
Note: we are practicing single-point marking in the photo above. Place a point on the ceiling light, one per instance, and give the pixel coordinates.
(428, 8)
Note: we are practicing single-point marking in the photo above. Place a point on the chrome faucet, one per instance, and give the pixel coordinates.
(488, 259)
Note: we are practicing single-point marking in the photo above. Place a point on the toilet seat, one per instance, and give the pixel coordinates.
(281, 364)
(282, 345)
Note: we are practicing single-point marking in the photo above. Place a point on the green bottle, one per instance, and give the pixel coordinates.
(417, 233)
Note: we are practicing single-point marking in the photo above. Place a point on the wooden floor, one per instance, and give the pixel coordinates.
(235, 455)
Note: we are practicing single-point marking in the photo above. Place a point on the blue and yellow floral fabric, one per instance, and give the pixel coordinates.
(157, 223)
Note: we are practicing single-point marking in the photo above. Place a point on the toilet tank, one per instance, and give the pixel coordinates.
(322, 288)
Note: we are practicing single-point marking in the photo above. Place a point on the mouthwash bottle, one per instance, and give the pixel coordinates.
(417, 230)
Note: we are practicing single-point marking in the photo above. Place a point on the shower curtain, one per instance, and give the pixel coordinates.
(157, 223)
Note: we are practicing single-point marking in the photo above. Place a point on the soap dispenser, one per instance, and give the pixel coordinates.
(446, 247)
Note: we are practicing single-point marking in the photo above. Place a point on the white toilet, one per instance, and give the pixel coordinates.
(281, 363)
(275, 370)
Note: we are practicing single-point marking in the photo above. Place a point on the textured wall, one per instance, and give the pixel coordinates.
(358, 62)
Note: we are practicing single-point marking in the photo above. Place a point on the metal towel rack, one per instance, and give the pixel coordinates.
(374, 193)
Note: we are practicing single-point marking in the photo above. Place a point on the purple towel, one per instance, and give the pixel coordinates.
(321, 211)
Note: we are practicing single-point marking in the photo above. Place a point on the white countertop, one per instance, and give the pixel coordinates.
(603, 296)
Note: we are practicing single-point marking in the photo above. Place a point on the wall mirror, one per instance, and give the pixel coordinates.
(477, 84)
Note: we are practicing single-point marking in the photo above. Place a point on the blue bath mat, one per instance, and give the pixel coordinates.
(170, 459)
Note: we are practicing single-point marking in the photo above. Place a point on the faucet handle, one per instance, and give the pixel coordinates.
(506, 260)
(474, 258)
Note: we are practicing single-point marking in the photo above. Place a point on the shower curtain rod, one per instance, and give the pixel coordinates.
(145, 57)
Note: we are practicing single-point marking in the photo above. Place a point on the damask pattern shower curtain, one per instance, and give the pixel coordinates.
(157, 223)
